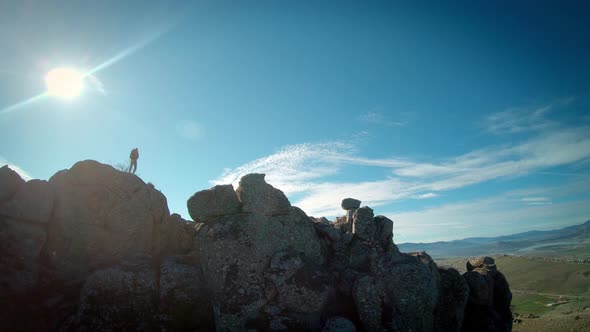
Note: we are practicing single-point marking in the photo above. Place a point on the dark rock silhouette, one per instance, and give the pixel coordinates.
(96, 249)
(488, 305)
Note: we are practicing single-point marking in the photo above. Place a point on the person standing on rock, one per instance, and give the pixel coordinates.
(134, 155)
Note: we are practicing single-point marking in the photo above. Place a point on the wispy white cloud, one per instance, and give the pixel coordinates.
(425, 196)
(492, 216)
(317, 176)
(23, 174)
(523, 119)
(379, 118)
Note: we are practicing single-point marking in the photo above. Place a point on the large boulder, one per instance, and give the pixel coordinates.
(350, 203)
(101, 216)
(10, 182)
(209, 204)
(33, 202)
(378, 230)
(257, 196)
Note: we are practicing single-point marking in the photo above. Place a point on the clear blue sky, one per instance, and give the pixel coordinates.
(468, 119)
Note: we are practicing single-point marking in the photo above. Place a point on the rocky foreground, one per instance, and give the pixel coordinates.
(96, 249)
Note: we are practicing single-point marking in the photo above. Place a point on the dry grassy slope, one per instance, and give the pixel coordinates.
(536, 282)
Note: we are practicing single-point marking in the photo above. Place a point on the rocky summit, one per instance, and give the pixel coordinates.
(96, 249)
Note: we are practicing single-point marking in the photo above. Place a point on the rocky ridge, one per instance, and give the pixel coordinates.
(96, 249)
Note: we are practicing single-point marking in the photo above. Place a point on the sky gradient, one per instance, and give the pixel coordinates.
(468, 119)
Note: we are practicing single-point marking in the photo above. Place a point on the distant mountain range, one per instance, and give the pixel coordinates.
(570, 242)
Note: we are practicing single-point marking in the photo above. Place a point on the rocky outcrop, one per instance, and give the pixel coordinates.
(101, 216)
(10, 183)
(488, 305)
(96, 249)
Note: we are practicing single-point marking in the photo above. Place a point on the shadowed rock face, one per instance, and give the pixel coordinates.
(96, 249)
(10, 183)
(488, 305)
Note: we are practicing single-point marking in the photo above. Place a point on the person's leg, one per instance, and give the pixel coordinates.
(134, 166)
(130, 163)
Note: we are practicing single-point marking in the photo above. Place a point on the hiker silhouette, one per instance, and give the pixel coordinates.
(134, 155)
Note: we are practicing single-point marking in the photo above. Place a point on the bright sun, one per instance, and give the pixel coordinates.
(65, 83)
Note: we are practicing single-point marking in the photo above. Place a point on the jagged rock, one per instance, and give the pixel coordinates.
(185, 303)
(10, 183)
(101, 216)
(325, 228)
(377, 230)
(176, 235)
(206, 205)
(488, 305)
(120, 298)
(257, 196)
(350, 203)
(339, 324)
(32, 202)
(450, 310)
(237, 249)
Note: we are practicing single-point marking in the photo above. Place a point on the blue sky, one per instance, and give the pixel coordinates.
(468, 119)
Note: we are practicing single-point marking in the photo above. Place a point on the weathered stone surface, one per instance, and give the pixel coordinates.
(32, 202)
(209, 204)
(120, 298)
(377, 229)
(101, 216)
(185, 303)
(350, 203)
(257, 196)
(10, 183)
(450, 310)
(176, 235)
(400, 295)
(362, 224)
(237, 249)
(339, 324)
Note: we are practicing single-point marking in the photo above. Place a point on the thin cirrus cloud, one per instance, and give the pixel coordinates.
(379, 118)
(301, 170)
(314, 175)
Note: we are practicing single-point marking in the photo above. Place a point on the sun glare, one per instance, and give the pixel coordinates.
(64, 83)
